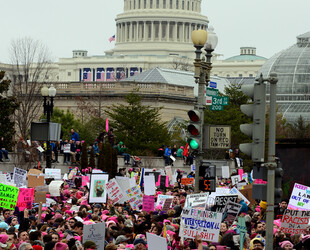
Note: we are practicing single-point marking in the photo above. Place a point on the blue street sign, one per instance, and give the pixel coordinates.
(212, 84)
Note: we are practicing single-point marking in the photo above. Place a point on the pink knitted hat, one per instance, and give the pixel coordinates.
(61, 246)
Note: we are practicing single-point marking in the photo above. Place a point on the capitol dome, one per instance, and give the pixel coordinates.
(158, 27)
(292, 66)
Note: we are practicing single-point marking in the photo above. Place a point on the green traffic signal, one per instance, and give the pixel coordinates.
(193, 143)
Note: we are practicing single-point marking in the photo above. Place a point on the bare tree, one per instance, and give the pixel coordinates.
(181, 63)
(31, 66)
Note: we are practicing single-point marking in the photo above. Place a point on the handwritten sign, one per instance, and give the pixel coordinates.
(85, 180)
(294, 221)
(25, 198)
(237, 192)
(221, 201)
(300, 198)
(8, 196)
(35, 181)
(134, 197)
(40, 197)
(148, 203)
(19, 176)
(53, 173)
(114, 191)
(197, 201)
(167, 204)
(161, 199)
(95, 233)
(203, 223)
(187, 181)
(235, 179)
(231, 211)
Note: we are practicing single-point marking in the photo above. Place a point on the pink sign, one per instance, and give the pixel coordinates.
(240, 172)
(148, 203)
(85, 180)
(25, 198)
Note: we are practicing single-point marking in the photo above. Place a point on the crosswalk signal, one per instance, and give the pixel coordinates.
(255, 130)
(207, 176)
(194, 129)
(278, 182)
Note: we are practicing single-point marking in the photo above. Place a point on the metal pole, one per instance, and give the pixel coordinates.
(49, 107)
(271, 162)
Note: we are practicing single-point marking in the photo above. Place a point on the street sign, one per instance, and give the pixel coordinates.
(212, 84)
(217, 136)
(225, 100)
(212, 92)
(208, 100)
(216, 107)
(217, 100)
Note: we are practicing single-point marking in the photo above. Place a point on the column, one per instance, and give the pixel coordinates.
(137, 31)
(183, 31)
(153, 33)
(175, 38)
(126, 31)
(144, 31)
(167, 30)
(160, 33)
(130, 31)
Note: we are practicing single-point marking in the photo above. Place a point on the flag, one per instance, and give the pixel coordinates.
(100, 75)
(110, 76)
(87, 75)
(112, 38)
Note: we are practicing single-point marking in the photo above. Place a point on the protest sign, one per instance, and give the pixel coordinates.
(155, 242)
(225, 172)
(241, 184)
(167, 204)
(53, 173)
(42, 189)
(97, 190)
(54, 187)
(235, 179)
(237, 192)
(148, 203)
(67, 148)
(240, 172)
(123, 182)
(187, 181)
(132, 181)
(114, 191)
(294, 221)
(25, 198)
(197, 201)
(149, 185)
(8, 196)
(203, 223)
(134, 196)
(161, 199)
(85, 180)
(40, 197)
(95, 233)
(246, 191)
(231, 211)
(242, 229)
(19, 176)
(300, 198)
(2, 178)
(164, 182)
(35, 181)
(169, 172)
(221, 201)
(155, 173)
(34, 171)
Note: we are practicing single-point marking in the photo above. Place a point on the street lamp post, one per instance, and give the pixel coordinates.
(48, 107)
(208, 40)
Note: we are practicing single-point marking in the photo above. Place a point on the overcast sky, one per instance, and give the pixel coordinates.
(268, 25)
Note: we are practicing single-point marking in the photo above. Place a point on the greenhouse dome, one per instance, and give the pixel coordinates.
(292, 66)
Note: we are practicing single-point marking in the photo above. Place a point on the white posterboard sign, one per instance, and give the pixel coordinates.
(155, 242)
(19, 176)
(53, 173)
(236, 191)
(235, 179)
(300, 198)
(203, 223)
(54, 187)
(149, 185)
(161, 199)
(114, 191)
(197, 201)
(225, 172)
(98, 191)
(95, 233)
(67, 148)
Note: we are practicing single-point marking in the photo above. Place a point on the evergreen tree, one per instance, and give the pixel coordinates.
(8, 105)
(299, 129)
(138, 126)
(114, 163)
(84, 157)
(101, 157)
(92, 159)
(107, 165)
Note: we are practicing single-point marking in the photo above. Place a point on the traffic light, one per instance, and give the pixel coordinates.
(207, 176)
(278, 182)
(256, 130)
(194, 128)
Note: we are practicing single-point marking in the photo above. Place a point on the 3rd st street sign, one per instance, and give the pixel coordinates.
(220, 100)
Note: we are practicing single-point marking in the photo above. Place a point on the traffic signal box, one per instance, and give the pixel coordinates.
(207, 176)
(194, 129)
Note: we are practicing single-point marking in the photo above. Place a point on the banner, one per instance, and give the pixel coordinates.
(148, 203)
(114, 191)
(300, 198)
(95, 233)
(19, 176)
(197, 201)
(134, 197)
(231, 211)
(203, 223)
(25, 198)
(8, 196)
(221, 201)
(294, 221)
